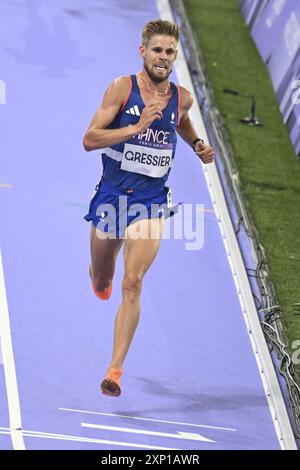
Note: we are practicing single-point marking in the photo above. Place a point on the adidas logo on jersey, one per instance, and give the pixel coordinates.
(134, 110)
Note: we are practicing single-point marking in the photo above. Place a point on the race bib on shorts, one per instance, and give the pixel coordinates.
(169, 198)
(146, 160)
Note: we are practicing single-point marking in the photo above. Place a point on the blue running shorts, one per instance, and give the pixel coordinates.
(112, 209)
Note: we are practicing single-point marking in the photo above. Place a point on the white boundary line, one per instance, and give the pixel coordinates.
(114, 415)
(187, 436)
(266, 368)
(65, 437)
(9, 369)
(2, 92)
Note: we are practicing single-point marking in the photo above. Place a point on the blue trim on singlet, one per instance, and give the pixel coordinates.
(112, 173)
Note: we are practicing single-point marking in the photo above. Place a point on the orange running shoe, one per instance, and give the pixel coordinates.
(111, 385)
(103, 295)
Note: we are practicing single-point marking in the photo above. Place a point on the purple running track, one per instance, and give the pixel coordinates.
(191, 368)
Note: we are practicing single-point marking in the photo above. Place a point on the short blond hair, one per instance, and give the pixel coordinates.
(159, 27)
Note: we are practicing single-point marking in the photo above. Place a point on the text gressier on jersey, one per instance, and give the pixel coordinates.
(148, 159)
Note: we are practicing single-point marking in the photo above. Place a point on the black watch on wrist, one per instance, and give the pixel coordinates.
(195, 141)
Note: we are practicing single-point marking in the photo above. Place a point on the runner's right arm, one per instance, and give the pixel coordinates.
(98, 136)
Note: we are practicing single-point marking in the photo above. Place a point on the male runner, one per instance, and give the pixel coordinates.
(136, 127)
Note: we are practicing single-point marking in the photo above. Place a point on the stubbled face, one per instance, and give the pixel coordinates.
(159, 56)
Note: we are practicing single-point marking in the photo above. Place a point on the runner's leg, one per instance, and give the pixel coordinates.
(139, 254)
(104, 254)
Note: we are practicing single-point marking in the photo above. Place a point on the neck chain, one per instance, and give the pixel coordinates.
(154, 91)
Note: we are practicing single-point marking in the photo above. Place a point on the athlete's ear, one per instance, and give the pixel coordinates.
(142, 50)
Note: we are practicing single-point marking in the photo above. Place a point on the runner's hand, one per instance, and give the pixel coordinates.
(205, 152)
(149, 114)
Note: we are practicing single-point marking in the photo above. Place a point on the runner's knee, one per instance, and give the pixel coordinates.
(132, 286)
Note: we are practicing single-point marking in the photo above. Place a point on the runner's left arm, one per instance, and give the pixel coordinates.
(186, 129)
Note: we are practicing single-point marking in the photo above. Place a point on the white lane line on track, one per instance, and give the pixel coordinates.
(218, 428)
(179, 435)
(13, 400)
(209, 211)
(90, 440)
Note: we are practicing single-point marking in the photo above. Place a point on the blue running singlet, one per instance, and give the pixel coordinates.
(145, 160)
(140, 166)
